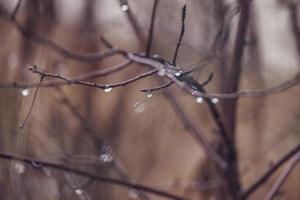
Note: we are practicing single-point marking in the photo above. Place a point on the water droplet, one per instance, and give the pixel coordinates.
(108, 89)
(20, 168)
(149, 94)
(194, 92)
(106, 153)
(25, 92)
(124, 7)
(78, 191)
(215, 100)
(162, 72)
(199, 100)
(132, 194)
(138, 107)
(46, 171)
(178, 73)
(12, 60)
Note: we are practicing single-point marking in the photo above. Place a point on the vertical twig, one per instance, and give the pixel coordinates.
(183, 15)
(151, 30)
(32, 103)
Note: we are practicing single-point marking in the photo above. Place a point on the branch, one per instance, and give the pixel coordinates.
(92, 84)
(32, 103)
(183, 14)
(103, 179)
(283, 176)
(16, 9)
(151, 30)
(267, 174)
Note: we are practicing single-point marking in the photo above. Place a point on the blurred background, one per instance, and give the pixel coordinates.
(125, 134)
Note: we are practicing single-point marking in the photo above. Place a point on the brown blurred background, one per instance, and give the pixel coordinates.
(109, 133)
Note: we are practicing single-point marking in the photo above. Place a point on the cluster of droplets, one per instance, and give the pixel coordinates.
(106, 153)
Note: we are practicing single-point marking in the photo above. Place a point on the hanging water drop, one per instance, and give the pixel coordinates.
(25, 92)
(132, 194)
(107, 89)
(106, 154)
(178, 73)
(78, 191)
(162, 72)
(20, 168)
(124, 7)
(149, 94)
(138, 107)
(215, 100)
(199, 100)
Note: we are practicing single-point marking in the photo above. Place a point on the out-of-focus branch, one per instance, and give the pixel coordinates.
(194, 131)
(96, 177)
(283, 176)
(293, 12)
(269, 173)
(16, 9)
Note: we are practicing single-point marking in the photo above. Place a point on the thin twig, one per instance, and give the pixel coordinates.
(92, 84)
(151, 30)
(103, 179)
(269, 173)
(283, 176)
(183, 14)
(163, 86)
(16, 9)
(32, 103)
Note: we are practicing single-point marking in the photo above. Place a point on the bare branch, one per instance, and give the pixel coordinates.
(151, 30)
(269, 173)
(183, 14)
(96, 177)
(283, 176)
(16, 9)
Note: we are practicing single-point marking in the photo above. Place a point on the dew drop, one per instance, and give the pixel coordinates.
(138, 107)
(178, 73)
(194, 92)
(162, 72)
(25, 92)
(124, 7)
(12, 61)
(106, 154)
(78, 191)
(46, 171)
(20, 168)
(108, 89)
(132, 194)
(149, 94)
(199, 100)
(215, 100)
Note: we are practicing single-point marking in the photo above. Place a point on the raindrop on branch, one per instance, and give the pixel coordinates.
(20, 168)
(149, 94)
(178, 73)
(25, 92)
(106, 153)
(199, 100)
(124, 7)
(215, 100)
(162, 72)
(78, 191)
(138, 107)
(132, 194)
(107, 89)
